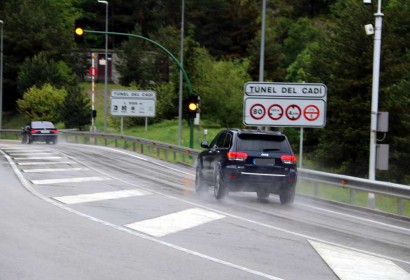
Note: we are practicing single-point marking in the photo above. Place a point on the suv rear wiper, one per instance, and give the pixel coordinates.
(270, 150)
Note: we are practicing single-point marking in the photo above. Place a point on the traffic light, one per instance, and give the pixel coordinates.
(192, 106)
(78, 32)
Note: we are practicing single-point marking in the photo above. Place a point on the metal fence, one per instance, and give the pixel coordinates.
(380, 196)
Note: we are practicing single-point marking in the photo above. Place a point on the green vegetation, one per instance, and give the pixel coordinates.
(312, 41)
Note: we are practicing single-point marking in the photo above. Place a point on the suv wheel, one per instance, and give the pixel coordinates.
(287, 196)
(200, 185)
(220, 190)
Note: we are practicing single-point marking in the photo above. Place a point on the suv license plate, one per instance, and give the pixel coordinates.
(264, 161)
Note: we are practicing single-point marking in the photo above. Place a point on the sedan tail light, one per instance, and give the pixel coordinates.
(240, 156)
(288, 159)
(34, 131)
(54, 131)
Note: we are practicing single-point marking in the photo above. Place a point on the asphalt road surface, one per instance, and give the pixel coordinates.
(72, 211)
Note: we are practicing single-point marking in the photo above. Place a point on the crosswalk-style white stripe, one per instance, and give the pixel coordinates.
(45, 162)
(351, 265)
(68, 180)
(81, 198)
(40, 170)
(175, 222)
(32, 154)
(36, 158)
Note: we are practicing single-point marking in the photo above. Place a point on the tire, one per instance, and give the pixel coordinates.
(287, 196)
(220, 190)
(262, 196)
(30, 140)
(200, 186)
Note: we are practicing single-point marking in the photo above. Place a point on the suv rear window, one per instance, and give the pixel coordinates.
(262, 143)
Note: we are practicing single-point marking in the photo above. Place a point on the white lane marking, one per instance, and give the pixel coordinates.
(305, 236)
(175, 222)
(352, 265)
(68, 180)
(37, 158)
(33, 152)
(355, 217)
(40, 170)
(81, 198)
(27, 185)
(46, 162)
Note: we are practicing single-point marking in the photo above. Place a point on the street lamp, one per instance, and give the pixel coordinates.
(375, 90)
(1, 74)
(106, 63)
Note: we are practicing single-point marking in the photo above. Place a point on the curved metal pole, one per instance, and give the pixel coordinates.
(191, 126)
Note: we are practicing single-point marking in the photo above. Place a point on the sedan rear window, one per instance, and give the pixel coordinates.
(262, 143)
(39, 125)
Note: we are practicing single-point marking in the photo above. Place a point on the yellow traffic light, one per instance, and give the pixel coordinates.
(79, 31)
(192, 106)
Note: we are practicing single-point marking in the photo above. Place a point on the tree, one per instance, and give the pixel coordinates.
(76, 109)
(40, 70)
(29, 29)
(42, 103)
(220, 86)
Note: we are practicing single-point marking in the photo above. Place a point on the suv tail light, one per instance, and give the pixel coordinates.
(240, 156)
(288, 159)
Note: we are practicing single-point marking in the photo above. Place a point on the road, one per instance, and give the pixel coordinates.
(72, 211)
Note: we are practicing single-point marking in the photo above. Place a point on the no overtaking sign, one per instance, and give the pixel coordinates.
(284, 104)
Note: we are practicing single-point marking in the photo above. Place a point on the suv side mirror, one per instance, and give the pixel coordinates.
(205, 144)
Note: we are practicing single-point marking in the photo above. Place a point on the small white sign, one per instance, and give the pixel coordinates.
(133, 103)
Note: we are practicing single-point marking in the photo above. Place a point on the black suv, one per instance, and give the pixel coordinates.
(39, 131)
(248, 160)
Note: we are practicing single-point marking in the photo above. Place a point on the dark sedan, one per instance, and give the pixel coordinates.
(40, 131)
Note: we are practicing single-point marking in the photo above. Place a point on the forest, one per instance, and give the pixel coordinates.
(312, 41)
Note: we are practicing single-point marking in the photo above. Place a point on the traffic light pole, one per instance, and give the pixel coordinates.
(190, 92)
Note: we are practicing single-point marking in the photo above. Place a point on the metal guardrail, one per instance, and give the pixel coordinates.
(400, 194)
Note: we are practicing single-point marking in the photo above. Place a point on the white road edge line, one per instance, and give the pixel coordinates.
(27, 185)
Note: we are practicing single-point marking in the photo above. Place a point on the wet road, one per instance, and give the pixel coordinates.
(73, 211)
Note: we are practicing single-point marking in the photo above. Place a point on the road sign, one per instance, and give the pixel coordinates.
(284, 112)
(291, 90)
(93, 71)
(285, 104)
(133, 103)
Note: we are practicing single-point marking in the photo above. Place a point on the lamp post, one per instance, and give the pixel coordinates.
(106, 63)
(375, 90)
(181, 60)
(1, 75)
